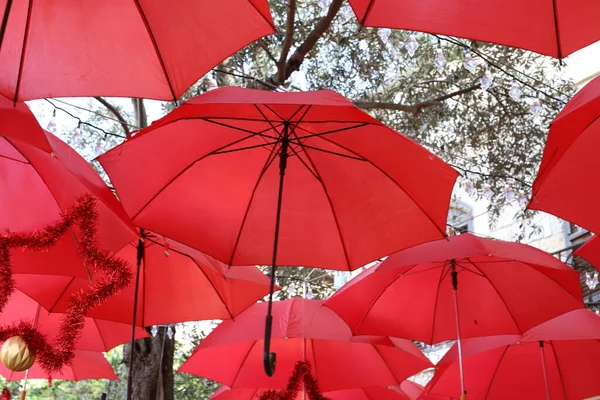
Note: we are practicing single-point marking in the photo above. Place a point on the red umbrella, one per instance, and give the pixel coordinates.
(41, 177)
(354, 190)
(570, 160)
(590, 251)
(184, 285)
(556, 360)
(552, 27)
(408, 390)
(85, 365)
(304, 330)
(148, 49)
(96, 335)
(458, 288)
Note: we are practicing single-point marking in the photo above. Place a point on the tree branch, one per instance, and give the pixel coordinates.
(266, 49)
(415, 108)
(287, 42)
(116, 113)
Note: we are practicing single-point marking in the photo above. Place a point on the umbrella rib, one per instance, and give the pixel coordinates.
(560, 374)
(23, 47)
(367, 12)
(155, 46)
(335, 217)
(386, 363)
(212, 285)
(187, 168)
(15, 160)
(496, 372)
(437, 297)
(499, 295)
(100, 334)
(61, 294)
(237, 128)
(242, 364)
(347, 128)
(556, 283)
(256, 146)
(266, 166)
(394, 181)
(328, 151)
(304, 163)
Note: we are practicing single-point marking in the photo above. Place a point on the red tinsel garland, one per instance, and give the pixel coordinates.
(117, 276)
(5, 395)
(302, 374)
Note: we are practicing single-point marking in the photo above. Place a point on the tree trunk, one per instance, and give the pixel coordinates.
(150, 381)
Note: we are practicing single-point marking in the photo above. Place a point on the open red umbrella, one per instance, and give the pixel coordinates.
(96, 335)
(355, 190)
(85, 365)
(555, 28)
(41, 178)
(590, 251)
(407, 390)
(462, 287)
(570, 160)
(177, 284)
(121, 48)
(304, 330)
(556, 360)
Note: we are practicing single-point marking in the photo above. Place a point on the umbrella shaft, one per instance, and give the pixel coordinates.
(546, 383)
(454, 276)
(140, 257)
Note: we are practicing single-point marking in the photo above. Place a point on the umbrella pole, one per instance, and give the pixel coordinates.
(269, 358)
(546, 383)
(454, 276)
(140, 257)
(7, 8)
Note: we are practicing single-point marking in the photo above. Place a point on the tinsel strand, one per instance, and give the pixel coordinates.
(302, 375)
(117, 276)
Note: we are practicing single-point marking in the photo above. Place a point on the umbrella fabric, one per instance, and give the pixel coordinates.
(302, 329)
(511, 366)
(555, 28)
(184, 286)
(41, 177)
(408, 390)
(97, 335)
(503, 288)
(122, 48)
(570, 161)
(590, 251)
(354, 190)
(85, 365)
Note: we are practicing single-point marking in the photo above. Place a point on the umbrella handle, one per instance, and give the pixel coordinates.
(269, 359)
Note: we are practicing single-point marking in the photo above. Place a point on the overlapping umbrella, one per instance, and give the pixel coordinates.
(256, 177)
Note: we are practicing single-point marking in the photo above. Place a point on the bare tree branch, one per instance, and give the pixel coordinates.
(287, 42)
(415, 108)
(116, 113)
(266, 49)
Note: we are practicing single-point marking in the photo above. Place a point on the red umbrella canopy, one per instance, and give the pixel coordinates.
(122, 48)
(354, 190)
(555, 28)
(85, 365)
(503, 288)
(570, 161)
(500, 367)
(41, 178)
(177, 284)
(302, 329)
(96, 335)
(590, 251)
(412, 392)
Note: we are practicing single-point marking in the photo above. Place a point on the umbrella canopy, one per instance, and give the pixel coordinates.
(85, 365)
(555, 28)
(560, 356)
(121, 48)
(303, 329)
(97, 335)
(354, 189)
(503, 288)
(177, 284)
(590, 251)
(41, 178)
(408, 390)
(570, 160)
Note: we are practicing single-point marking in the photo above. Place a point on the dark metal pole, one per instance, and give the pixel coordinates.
(5, 21)
(270, 359)
(454, 276)
(546, 382)
(140, 257)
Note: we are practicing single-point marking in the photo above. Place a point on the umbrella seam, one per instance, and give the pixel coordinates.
(270, 23)
(100, 334)
(495, 372)
(23, 47)
(437, 297)
(242, 363)
(386, 363)
(156, 49)
(562, 380)
(61, 294)
(394, 181)
(556, 30)
(367, 12)
(212, 285)
(335, 217)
